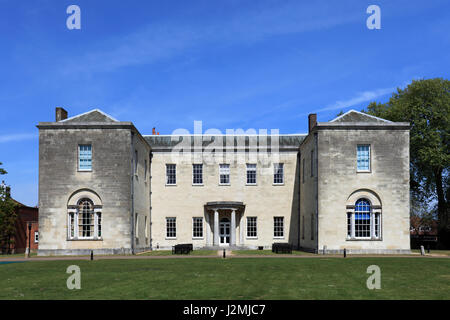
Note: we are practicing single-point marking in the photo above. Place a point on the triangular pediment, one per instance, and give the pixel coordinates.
(95, 115)
(356, 116)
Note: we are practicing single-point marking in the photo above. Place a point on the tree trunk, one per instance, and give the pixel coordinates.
(443, 231)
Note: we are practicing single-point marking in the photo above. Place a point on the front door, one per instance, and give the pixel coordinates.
(224, 231)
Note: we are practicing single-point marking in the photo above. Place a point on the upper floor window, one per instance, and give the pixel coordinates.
(224, 173)
(312, 163)
(85, 157)
(197, 173)
(171, 174)
(251, 173)
(363, 158)
(136, 160)
(303, 171)
(278, 173)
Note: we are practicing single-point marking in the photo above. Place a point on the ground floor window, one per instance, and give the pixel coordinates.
(278, 227)
(363, 222)
(251, 227)
(197, 226)
(84, 222)
(171, 227)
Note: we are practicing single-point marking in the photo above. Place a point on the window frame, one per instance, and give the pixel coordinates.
(80, 157)
(174, 174)
(275, 173)
(194, 173)
(73, 222)
(247, 171)
(194, 228)
(275, 226)
(222, 166)
(375, 223)
(174, 227)
(247, 230)
(369, 158)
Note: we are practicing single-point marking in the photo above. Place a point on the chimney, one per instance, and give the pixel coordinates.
(312, 121)
(8, 192)
(61, 114)
(153, 131)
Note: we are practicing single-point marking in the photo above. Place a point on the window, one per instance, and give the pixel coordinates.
(146, 229)
(303, 227)
(303, 171)
(312, 226)
(36, 237)
(197, 227)
(278, 173)
(363, 223)
(197, 174)
(251, 173)
(363, 158)
(171, 177)
(278, 227)
(136, 160)
(251, 227)
(312, 163)
(85, 222)
(224, 174)
(171, 227)
(85, 157)
(145, 170)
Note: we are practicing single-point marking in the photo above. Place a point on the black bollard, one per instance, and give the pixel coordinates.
(92, 255)
(345, 252)
(224, 253)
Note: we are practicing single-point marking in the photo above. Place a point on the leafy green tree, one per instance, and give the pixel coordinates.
(8, 217)
(425, 104)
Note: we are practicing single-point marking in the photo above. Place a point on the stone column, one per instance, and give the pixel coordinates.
(241, 230)
(216, 227)
(208, 228)
(233, 227)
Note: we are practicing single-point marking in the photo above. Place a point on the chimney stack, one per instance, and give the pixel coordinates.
(153, 131)
(312, 121)
(61, 114)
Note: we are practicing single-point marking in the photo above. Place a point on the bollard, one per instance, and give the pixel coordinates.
(422, 251)
(324, 249)
(345, 252)
(92, 255)
(428, 248)
(224, 253)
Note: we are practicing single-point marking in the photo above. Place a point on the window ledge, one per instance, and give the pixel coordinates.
(195, 238)
(84, 170)
(278, 184)
(197, 184)
(225, 184)
(171, 185)
(251, 184)
(363, 239)
(278, 238)
(363, 171)
(252, 238)
(93, 239)
(171, 238)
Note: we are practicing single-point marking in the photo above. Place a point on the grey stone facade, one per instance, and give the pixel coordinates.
(128, 188)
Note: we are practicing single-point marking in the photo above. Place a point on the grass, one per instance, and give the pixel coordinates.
(244, 278)
(16, 255)
(270, 253)
(169, 253)
(440, 252)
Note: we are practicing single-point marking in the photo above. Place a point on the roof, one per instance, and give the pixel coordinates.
(356, 116)
(167, 142)
(95, 115)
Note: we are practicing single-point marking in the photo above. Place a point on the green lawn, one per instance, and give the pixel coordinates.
(169, 253)
(244, 278)
(270, 253)
(440, 252)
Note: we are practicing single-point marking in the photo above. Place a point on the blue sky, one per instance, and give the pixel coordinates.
(231, 64)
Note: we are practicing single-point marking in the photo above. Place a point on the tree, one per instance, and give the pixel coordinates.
(8, 216)
(425, 104)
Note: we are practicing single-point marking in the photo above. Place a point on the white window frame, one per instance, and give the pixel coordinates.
(224, 170)
(36, 237)
(370, 158)
(75, 224)
(80, 156)
(374, 227)
(251, 167)
(194, 226)
(255, 226)
(197, 175)
(167, 227)
(282, 227)
(174, 166)
(275, 173)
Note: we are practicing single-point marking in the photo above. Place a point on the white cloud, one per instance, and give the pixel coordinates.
(17, 137)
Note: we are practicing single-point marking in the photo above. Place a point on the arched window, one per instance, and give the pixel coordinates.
(84, 216)
(363, 222)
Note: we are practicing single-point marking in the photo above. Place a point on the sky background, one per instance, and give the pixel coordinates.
(231, 64)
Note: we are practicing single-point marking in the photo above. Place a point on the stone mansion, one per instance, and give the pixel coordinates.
(103, 186)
